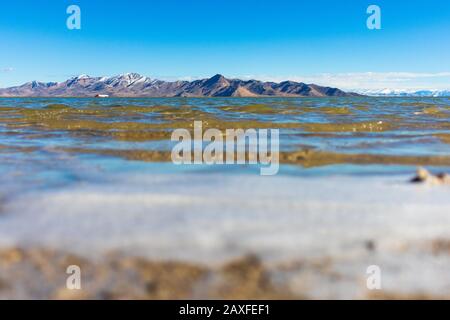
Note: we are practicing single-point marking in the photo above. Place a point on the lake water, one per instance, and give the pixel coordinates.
(54, 141)
(92, 175)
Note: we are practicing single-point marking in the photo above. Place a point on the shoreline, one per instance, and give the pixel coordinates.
(116, 276)
(315, 236)
(38, 273)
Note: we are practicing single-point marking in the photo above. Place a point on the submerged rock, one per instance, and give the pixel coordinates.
(424, 176)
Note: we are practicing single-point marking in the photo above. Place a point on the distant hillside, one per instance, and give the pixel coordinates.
(135, 85)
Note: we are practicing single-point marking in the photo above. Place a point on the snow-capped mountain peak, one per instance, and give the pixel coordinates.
(404, 93)
(136, 85)
(126, 79)
(81, 77)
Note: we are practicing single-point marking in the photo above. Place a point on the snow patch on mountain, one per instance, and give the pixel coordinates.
(404, 93)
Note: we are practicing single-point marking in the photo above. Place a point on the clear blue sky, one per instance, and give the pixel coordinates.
(320, 40)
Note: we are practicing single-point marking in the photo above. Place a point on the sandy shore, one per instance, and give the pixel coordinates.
(148, 236)
(40, 274)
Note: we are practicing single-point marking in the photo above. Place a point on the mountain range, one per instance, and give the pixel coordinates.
(405, 93)
(136, 85)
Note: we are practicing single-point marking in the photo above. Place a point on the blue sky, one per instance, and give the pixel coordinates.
(321, 41)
